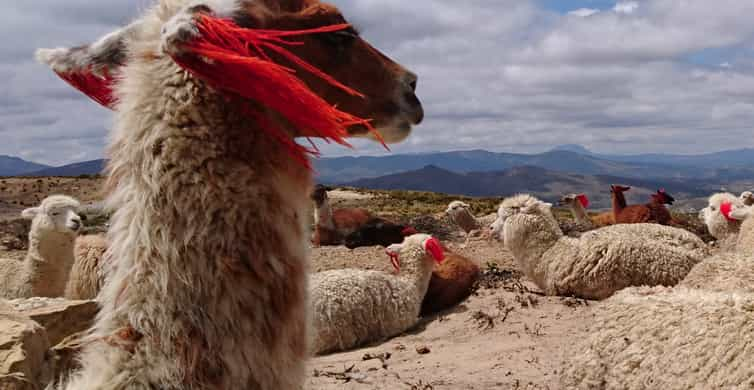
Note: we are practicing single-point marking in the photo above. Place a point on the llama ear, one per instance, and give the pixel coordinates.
(91, 68)
(740, 213)
(433, 247)
(30, 213)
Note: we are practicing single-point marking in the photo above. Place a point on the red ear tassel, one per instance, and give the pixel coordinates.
(99, 88)
(583, 200)
(725, 210)
(232, 59)
(434, 248)
(408, 230)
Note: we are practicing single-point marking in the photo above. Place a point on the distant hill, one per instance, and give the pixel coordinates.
(546, 184)
(92, 167)
(12, 166)
(568, 159)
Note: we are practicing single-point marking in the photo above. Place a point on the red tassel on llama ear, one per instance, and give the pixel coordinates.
(99, 88)
(434, 248)
(725, 210)
(233, 59)
(583, 200)
(393, 252)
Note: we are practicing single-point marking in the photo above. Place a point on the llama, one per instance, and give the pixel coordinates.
(331, 227)
(44, 272)
(652, 212)
(209, 190)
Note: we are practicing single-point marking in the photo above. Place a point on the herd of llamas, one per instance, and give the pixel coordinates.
(202, 278)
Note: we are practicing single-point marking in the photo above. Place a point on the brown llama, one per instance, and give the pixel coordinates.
(207, 287)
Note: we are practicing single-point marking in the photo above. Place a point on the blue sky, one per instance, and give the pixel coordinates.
(621, 76)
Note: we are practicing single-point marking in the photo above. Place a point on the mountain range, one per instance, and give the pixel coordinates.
(566, 168)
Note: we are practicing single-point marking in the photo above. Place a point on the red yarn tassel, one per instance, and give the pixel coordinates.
(99, 88)
(233, 59)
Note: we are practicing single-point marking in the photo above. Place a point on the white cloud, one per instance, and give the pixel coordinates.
(626, 7)
(494, 74)
(584, 12)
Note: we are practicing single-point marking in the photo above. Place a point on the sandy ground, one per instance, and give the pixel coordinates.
(506, 336)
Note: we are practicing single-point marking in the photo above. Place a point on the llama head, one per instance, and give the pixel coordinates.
(457, 206)
(663, 197)
(723, 214)
(521, 215)
(386, 90)
(747, 197)
(56, 214)
(618, 189)
(572, 200)
(415, 247)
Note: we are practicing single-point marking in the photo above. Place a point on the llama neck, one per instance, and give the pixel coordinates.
(618, 202)
(323, 215)
(209, 236)
(48, 263)
(416, 269)
(578, 212)
(528, 239)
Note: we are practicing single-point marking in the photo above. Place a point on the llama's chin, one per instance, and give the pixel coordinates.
(391, 133)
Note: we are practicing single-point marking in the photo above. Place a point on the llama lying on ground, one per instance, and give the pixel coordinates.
(601, 261)
(352, 307)
(731, 270)
(44, 272)
(210, 190)
(578, 203)
(662, 338)
(87, 276)
(378, 231)
(460, 214)
(652, 212)
(331, 226)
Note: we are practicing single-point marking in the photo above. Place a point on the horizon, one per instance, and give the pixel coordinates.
(514, 76)
(598, 154)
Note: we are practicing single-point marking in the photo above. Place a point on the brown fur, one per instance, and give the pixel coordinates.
(451, 283)
(653, 212)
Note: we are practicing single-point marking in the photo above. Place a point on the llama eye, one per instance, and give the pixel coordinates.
(55, 214)
(339, 39)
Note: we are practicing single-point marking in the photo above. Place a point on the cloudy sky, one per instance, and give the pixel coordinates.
(504, 75)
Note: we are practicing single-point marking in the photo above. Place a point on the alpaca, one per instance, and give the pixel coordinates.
(378, 231)
(86, 276)
(331, 227)
(666, 338)
(44, 272)
(601, 261)
(351, 307)
(718, 219)
(209, 190)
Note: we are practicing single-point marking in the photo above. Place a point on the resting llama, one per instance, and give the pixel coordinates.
(351, 307)
(720, 218)
(209, 189)
(332, 226)
(44, 271)
(601, 261)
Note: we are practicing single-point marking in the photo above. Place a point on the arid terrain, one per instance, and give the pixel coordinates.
(507, 335)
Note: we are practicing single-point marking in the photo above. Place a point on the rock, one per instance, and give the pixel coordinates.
(23, 352)
(59, 317)
(14, 234)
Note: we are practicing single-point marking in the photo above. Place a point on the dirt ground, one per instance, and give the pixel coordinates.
(18, 193)
(505, 336)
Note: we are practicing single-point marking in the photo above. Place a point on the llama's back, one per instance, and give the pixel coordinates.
(353, 307)
(86, 278)
(606, 260)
